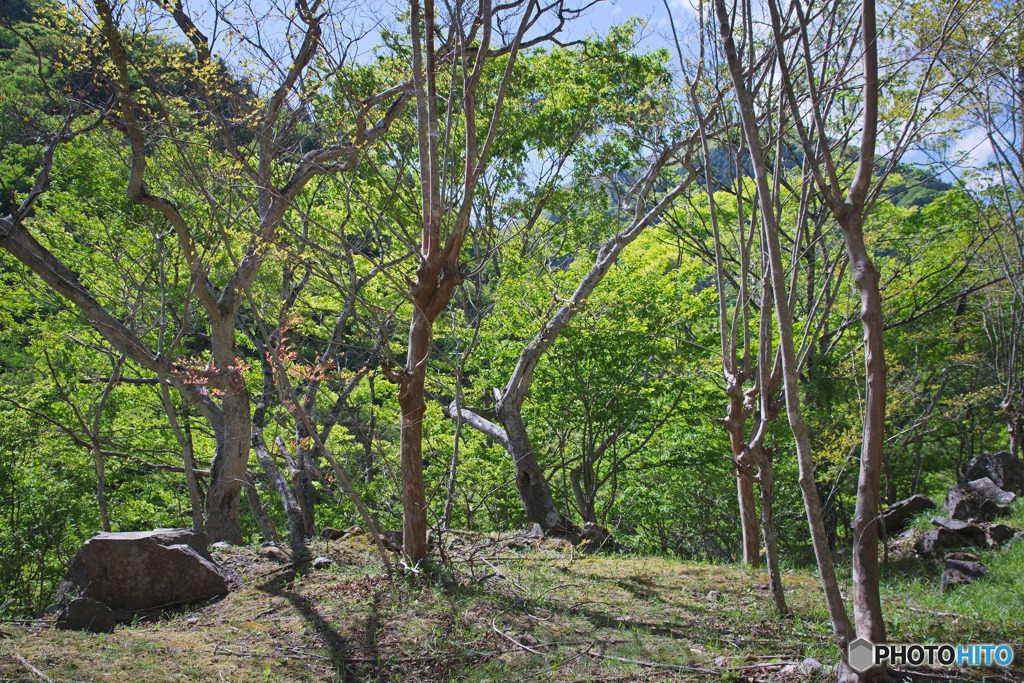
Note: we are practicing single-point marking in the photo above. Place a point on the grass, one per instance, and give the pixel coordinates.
(501, 613)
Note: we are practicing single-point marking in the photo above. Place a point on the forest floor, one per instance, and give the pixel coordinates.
(501, 608)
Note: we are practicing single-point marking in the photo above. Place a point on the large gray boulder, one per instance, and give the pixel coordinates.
(896, 517)
(980, 500)
(1001, 467)
(138, 571)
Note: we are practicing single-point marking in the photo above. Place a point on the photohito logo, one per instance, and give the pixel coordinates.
(865, 654)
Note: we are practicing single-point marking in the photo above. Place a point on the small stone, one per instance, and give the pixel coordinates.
(809, 667)
(713, 596)
(321, 563)
(723, 662)
(272, 552)
(961, 573)
(536, 531)
(556, 544)
(221, 545)
(354, 530)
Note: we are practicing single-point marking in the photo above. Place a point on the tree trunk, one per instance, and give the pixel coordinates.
(584, 498)
(735, 422)
(233, 431)
(748, 516)
(833, 598)
(1015, 428)
(866, 602)
(185, 443)
(302, 479)
(531, 484)
(101, 486)
(766, 476)
(229, 469)
(305, 494)
(453, 467)
(252, 497)
(413, 408)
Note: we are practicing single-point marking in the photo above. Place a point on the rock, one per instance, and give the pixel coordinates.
(220, 545)
(136, 571)
(999, 534)
(1002, 468)
(557, 544)
(392, 540)
(962, 572)
(723, 662)
(354, 530)
(934, 541)
(968, 529)
(86, 614)
(809, 667)
(595, 538)
(536, 531)
(963, 555)
(321, 563)
(331, 534)
(713, 596)
(979, 499)
(896, 517)
(272, 552)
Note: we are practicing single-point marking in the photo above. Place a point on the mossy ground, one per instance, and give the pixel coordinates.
(493, 610)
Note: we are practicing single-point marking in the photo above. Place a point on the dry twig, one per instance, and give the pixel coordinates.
(36, 672)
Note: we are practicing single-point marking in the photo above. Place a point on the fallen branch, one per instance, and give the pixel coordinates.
(36, 672)
(511, 639)
(913, 607)
(220, 649)
(502, 575)
(770, 665)
(654, 665)
(576, 656)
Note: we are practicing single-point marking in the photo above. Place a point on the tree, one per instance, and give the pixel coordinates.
(633, 206)
(445, 209)
(270, 160)
(848, 209)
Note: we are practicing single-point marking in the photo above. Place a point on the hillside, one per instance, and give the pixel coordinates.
(502, 608)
